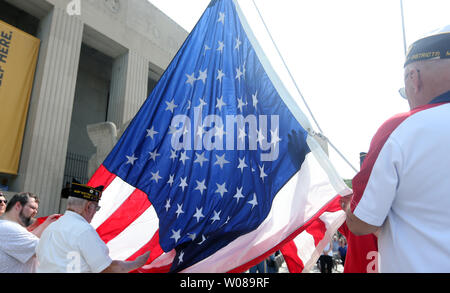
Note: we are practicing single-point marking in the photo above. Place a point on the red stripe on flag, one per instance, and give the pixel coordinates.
(101, 177)
(317, 230)
(133, 207)
(293, 262)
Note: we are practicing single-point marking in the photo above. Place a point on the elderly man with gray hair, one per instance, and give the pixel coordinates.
(71, 244)
(402, 191)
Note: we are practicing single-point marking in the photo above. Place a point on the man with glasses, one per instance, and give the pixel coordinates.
(71, 244)
(402, 191)
(17, 244)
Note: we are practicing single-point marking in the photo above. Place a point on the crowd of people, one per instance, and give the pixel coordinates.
(69, 245)
(400, 196)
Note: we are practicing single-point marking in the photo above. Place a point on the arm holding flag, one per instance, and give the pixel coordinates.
(118, 266)
(354, 224)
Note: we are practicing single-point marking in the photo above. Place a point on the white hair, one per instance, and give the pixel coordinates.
(75, 202)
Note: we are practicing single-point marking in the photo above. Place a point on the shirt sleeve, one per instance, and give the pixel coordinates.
(94, 251)
(381, 188)
(19, 243)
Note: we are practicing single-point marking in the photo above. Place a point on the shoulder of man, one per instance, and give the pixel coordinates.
(383, 133)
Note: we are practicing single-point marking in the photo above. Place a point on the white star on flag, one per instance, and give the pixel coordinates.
(167, 206)
(151, 132)
(155, 176)
(220, 75)
(183, 183)
(242, 164)
(170, 181)
(176, 235)
(171, 106)
(179, 210)
(184, 157)
(220, 103)
(262, 174)
(154, 155)
(238, 194)
(255, 99)
(221, 161)
(203, 75)
(221, 188)
(200, 186)
(199, 214)
(131, 159)
(216, 217)
(200, 158)
(221, 46)
(190, 79)
(254, 201)
(221, 17)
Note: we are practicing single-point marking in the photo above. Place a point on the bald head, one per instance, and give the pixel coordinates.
(426, 80)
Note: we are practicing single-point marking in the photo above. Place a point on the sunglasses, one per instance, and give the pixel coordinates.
(3, 201)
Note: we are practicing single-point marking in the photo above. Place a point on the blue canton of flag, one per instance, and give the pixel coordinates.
(209, 146)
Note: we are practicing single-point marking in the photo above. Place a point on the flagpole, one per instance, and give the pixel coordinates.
(298, 90)
(403, 25)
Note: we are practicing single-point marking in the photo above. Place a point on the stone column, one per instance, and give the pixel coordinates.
(128, 87)
(47, 131)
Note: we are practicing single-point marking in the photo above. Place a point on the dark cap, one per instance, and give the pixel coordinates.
(83, 191)
(436, 45)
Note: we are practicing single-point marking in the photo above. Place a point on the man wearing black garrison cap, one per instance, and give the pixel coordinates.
(401, 193)
(71, 244)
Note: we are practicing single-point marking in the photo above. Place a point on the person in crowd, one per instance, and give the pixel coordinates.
(17, 244)
(71, 244)
(342, 249)
(326, 259)
(335, 244)
(269, 265)
(3, 203)
(401, 192)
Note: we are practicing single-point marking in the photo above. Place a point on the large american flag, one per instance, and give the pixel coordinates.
(207, 176)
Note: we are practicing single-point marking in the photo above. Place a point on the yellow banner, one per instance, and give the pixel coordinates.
(18, 57)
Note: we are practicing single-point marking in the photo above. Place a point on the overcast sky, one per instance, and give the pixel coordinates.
(346, 57)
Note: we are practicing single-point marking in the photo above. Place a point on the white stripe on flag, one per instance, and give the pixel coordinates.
(112, 198)
(136, 235)
(305, 247)
(304, 192)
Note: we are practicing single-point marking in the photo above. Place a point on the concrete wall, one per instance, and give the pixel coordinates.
(136, 36)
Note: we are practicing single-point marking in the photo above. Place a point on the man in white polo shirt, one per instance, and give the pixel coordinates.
(71, 244)
(405, 195)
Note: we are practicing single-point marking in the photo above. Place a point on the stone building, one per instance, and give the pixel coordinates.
(98, 62)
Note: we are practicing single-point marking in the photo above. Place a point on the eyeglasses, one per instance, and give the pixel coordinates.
(97, 208)
(402, 91)
(3, 201)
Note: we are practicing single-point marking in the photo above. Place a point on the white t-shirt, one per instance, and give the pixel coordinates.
(71, 245)
(326, 248)
(408, 195)
(17, 248)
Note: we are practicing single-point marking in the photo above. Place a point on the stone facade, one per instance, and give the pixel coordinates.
(140, 40)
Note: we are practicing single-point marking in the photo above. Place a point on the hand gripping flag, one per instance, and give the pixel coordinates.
(217, 170)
